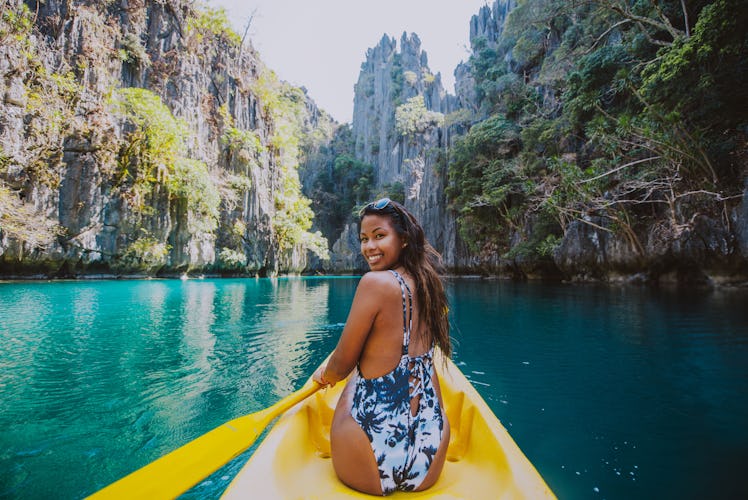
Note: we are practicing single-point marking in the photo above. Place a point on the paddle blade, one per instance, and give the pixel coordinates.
(176, 472)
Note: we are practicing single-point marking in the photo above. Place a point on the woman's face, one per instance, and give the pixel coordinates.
(380, 244)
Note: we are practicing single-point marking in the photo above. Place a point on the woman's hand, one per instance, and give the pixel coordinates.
(319, 376)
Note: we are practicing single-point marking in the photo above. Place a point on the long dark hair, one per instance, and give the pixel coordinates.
(424, 263)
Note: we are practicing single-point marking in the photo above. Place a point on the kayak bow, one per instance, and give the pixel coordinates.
(482, 459)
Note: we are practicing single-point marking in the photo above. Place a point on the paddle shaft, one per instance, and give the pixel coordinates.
(176, 472)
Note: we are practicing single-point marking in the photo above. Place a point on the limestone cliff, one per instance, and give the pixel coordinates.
(144, 136)
(693, 240)
(486, 28)
(409, 162)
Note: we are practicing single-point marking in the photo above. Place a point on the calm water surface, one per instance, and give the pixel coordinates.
(611, 392)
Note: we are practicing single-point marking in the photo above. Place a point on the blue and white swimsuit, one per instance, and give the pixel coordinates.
(404, 443)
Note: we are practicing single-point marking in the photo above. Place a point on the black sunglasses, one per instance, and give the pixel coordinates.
(380, 204)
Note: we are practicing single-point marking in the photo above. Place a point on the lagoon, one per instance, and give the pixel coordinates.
(612, 392)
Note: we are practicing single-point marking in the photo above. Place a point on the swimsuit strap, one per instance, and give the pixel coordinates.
(407, 311)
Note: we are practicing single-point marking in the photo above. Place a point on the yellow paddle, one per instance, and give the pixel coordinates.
(178, 471)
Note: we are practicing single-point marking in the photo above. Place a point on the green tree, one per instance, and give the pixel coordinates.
(153, 155)
(21, 222)
(484, 183)
(413, 118)
(292, 220)
(628, 113)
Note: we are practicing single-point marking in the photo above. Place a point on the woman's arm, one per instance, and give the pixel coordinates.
(366, 305)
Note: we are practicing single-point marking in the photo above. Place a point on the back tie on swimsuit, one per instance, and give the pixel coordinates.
(400, 413)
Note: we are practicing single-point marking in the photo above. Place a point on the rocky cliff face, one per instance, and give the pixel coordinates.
(388, 78)
(142, 136)
(706, 251)
(181, 174)
(708, 247)
(488, 26)
(703, 243)
(408, 165)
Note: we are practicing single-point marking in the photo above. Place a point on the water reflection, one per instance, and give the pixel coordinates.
(233, 303)
(198, 338)
(297, 308)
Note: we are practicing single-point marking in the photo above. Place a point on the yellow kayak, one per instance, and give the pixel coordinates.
(483, 461)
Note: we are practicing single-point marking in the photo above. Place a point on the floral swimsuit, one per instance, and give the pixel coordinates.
(404, 442)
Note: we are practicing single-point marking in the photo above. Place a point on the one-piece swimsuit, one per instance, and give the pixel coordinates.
(404, 440)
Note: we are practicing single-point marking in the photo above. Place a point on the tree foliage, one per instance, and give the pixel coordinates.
(214, 22)
(146, 254)
(153, 154)
(413, 118)
(292, 220)
(343, 185)
(22, 222)
(624, 110)
(484, 186)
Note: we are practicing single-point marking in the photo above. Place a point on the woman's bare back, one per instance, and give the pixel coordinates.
(352, 451)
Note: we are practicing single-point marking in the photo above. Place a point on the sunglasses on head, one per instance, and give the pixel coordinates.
(380, 204)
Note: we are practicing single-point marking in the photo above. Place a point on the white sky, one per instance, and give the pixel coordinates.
(321, 44)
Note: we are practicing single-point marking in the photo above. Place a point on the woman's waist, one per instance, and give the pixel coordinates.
(422, 364)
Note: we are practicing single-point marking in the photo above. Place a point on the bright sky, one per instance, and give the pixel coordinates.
(321, 44)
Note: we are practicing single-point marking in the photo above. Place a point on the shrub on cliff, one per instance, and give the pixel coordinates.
(153, 154)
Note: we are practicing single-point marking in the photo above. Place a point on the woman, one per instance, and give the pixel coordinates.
(390, 431)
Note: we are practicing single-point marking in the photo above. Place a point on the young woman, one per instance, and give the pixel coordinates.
(390, 431)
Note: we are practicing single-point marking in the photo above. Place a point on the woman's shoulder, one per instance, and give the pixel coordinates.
(378, 278)
(378, 282)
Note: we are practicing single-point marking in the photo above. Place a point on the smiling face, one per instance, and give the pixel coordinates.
(380, 243)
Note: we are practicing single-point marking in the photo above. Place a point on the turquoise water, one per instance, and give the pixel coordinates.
(611, 392)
